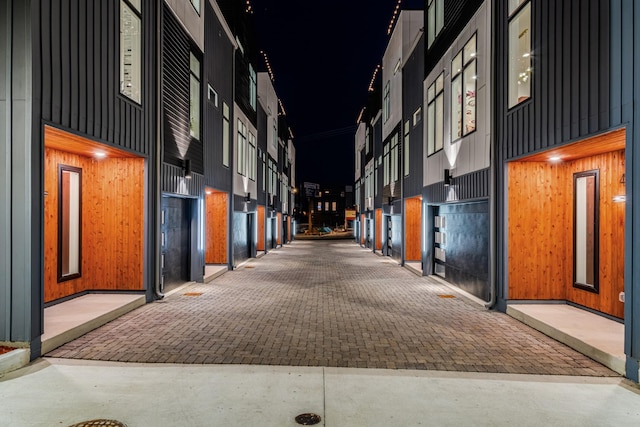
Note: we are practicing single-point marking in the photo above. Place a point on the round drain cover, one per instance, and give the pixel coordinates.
(103, 423)
(308, 419)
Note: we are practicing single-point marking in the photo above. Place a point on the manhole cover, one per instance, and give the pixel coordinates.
(308, 419)
(193, 294)
(105, 423)
(446, 296)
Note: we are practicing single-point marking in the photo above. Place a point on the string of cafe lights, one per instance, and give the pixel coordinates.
(396, 12)
(268, 64)
(248, 8)
(373, 78)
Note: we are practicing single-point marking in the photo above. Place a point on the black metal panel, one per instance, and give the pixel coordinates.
(457, 14)
(472, 186)
(262, 153)
(177, 141)
(78, 43)
(467, 246)
(218, 73)
(570, 84)
(377, 152)
(240, 238)
(412, 99)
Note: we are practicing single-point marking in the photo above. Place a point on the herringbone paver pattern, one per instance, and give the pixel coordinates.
(331, 303)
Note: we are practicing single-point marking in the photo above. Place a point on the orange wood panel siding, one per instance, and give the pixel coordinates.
(279, 241)
(216, 227)
(540, 232)
(288, 229)
(362, 229)
(112, 224)
(379, 227)
(413, 229)
(261, 228)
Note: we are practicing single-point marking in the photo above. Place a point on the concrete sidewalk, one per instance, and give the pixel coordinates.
(56, 392)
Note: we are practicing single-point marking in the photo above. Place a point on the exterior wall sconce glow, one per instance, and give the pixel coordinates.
(555, 159)
(100, 154)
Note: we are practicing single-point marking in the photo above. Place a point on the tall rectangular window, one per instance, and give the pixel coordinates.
(463, 91)
(194, 97)
(131, 49)
(386, 106)
(386, 158)
(367, 139)
(226, 134)
(405, 148)
(252, 156)
(253, 88)
(394, 158)
(242, 148)
(519, 54)
(435, 116)
(274, 140)
(435, 20)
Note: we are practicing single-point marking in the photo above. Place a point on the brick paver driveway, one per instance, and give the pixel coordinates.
(328, 303)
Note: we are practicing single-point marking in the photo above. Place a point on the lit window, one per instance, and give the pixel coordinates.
(435, 17)
(520, 55)
(435, 116)
(463, 91)
(194, 99)
(417, 116)
(225, 134)
(69, 223)
(131, 49)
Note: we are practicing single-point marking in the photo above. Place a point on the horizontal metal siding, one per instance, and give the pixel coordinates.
(79, 72)
(570, 84)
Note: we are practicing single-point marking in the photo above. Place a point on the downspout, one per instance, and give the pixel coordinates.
(158, 159)
(493, 261)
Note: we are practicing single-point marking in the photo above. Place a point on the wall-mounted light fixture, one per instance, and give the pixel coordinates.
(447, 177)
(186, 168)
(247, 197)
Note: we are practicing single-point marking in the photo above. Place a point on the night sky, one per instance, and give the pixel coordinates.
(323, 55)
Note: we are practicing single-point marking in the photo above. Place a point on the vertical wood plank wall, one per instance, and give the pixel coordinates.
(379, 226)
(413, 229)
(112, 224)
(279, 228)
(363, 220)
(216, 228)
(261, 223)
(540, 232)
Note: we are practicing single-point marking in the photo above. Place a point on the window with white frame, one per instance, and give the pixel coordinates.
(194, 97)
(435, 116)
(226, 134)
(252, 157)
(435, 20)
(253, 88)
(463, 91)
(405, 147)
(274, 140)
(417, 116)
(367, 139)
(242, 148)
(386, 106)
(394, 175)
(519, 52)
(386, 159)
(131, 49)
(196, 5)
